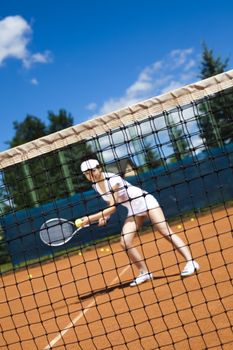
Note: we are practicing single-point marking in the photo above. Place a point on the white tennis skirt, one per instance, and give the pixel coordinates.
(139, 203)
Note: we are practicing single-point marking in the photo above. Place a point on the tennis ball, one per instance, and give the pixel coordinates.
(29, 276)
(78, 223)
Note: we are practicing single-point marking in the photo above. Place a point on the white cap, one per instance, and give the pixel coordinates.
(89, 164)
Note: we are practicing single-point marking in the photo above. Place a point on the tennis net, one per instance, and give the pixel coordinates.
(177, 147)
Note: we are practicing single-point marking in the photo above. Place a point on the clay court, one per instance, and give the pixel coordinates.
(84, 302)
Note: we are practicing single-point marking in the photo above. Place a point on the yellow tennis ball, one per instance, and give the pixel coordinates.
(30, 276)
(78, 223)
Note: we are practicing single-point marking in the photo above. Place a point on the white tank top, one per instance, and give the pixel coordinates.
(125, 191)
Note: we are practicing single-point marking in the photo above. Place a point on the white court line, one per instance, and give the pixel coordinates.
(78, 317)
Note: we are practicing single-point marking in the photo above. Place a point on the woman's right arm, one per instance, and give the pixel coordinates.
(103, 215)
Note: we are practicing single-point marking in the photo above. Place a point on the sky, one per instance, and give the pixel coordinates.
(92, 57)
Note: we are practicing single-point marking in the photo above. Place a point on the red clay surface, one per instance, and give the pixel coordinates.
(84, 301)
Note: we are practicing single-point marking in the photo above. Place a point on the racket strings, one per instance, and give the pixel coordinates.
(56, 232)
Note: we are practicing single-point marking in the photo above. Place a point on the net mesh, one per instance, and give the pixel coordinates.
(178, 147)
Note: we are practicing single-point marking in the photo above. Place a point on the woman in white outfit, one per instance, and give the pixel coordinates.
(140, 205)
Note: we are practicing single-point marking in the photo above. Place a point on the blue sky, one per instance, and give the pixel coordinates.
(92, 57)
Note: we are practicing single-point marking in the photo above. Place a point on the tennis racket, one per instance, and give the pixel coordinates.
(57, 231)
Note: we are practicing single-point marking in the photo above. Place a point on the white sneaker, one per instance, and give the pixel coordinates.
(143, 277)
(190, 268)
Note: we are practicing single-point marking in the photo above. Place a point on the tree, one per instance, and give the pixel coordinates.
(28, 130)
(4, 207)
(32, 128)
(4, 254)
(210, 65)
(178, 139)
(216, 111)
(59, 122)
(47, 177)
(152, 157)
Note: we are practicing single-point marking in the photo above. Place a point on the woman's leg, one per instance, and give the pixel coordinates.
(158, 219)
(131, 226)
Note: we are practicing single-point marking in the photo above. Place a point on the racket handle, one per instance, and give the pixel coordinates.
(79, 223)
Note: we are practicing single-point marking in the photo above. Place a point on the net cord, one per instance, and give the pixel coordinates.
(115, 119)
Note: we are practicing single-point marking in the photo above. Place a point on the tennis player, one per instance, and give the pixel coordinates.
(140, 205)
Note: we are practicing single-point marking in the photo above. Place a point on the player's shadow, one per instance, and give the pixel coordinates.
(123, 285)
(103, 291)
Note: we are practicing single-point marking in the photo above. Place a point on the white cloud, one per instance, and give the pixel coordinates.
(91, 106)
(15, 36)
(46, 57)
(180, 56)
(190, 64)
(34, 81)
(113, 104)
(140, 86)
(176, 69)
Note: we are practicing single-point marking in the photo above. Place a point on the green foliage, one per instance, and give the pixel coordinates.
(215, 119)
(28, 130)
(32, 128)
(178, 140)
(4, 255)
(216, 112)
(48, 177)
(59, 122)
(210, 65)
(151, 157)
